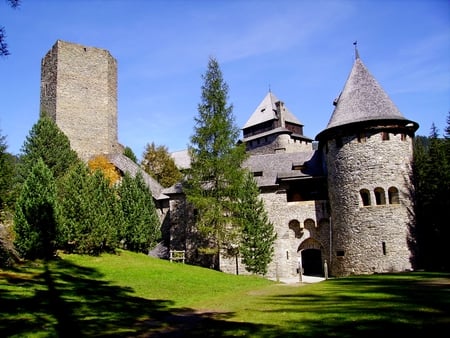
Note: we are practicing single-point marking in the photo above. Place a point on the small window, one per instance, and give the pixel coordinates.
(393, 195)
(257, 174)
(385, 136)
(403, 136)
(340, 253)
(365, 197)
(380, 197)
(383, 246)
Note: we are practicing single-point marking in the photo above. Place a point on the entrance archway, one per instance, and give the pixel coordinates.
(312, 262)
(311, 254)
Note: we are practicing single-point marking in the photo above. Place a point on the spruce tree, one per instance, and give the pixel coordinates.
(258, 235)
(141, 229)
(35, 216)
(215, 175)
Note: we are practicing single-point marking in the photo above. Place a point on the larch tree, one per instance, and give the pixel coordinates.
(258, 235)
(215, 176)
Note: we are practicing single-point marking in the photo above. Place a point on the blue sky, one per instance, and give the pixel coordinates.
(301, 50)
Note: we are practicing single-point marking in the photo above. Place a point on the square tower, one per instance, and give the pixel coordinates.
(79, 92)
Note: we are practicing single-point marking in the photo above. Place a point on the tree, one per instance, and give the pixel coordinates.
(128, 152)
(158, 163)
(106, 167)
(91, 218)
(48, 142)
(215, 175)
(141, 228)
(431, 168)
(4, 51)
(258, 235)
(35, 216)
(6, 175)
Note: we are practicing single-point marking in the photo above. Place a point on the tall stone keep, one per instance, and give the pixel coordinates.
(367, 147)
(79, 92)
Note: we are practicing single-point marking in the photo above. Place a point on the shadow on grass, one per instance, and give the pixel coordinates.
(397, 305)
(60, 299)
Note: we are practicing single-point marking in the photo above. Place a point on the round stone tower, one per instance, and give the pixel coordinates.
(367, 148)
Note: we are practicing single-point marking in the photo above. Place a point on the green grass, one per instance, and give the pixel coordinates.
(132, 295)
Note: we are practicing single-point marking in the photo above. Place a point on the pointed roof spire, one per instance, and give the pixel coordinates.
(361, 100)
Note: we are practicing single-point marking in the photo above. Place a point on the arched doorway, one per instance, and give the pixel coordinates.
(312, 262)
(311, 254)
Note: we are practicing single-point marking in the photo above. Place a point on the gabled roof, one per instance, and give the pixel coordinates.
(273, 167)
(266, 111)
(362, 99)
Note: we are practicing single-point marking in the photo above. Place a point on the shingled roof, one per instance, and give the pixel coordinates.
(362, 100)
(266, 111)
(270, 168)
(126, 165)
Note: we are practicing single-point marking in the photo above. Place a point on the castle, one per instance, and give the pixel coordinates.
(342, 200)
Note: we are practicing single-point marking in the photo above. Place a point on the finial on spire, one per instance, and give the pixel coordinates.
(356, 49)
(270, 91)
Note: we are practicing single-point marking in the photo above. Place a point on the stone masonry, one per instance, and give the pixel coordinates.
(79, 91)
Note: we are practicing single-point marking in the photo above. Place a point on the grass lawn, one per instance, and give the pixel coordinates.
(132, 295)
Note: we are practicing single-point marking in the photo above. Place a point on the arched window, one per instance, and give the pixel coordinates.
(294, 225)
(309, 223)
(380, 197)
(393, 195)
(365, 196)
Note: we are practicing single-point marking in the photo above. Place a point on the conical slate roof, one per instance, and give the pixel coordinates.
(266, 111)
(362, 99)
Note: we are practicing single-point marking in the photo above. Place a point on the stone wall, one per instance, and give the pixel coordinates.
(374, 237)
(274, 143)
(79, 91)
(312, 218)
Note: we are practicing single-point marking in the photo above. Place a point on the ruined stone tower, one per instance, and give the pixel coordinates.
(367, 147)
(79, 92)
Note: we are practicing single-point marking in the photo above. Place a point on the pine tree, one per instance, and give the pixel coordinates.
(258, 235)
(141, 223)
(158, 163)
(6, 176)
(48, 142)
(74, 197)
(104, 216)
(35, 216)
(128, 152)
(215, 175)
(91, 218)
